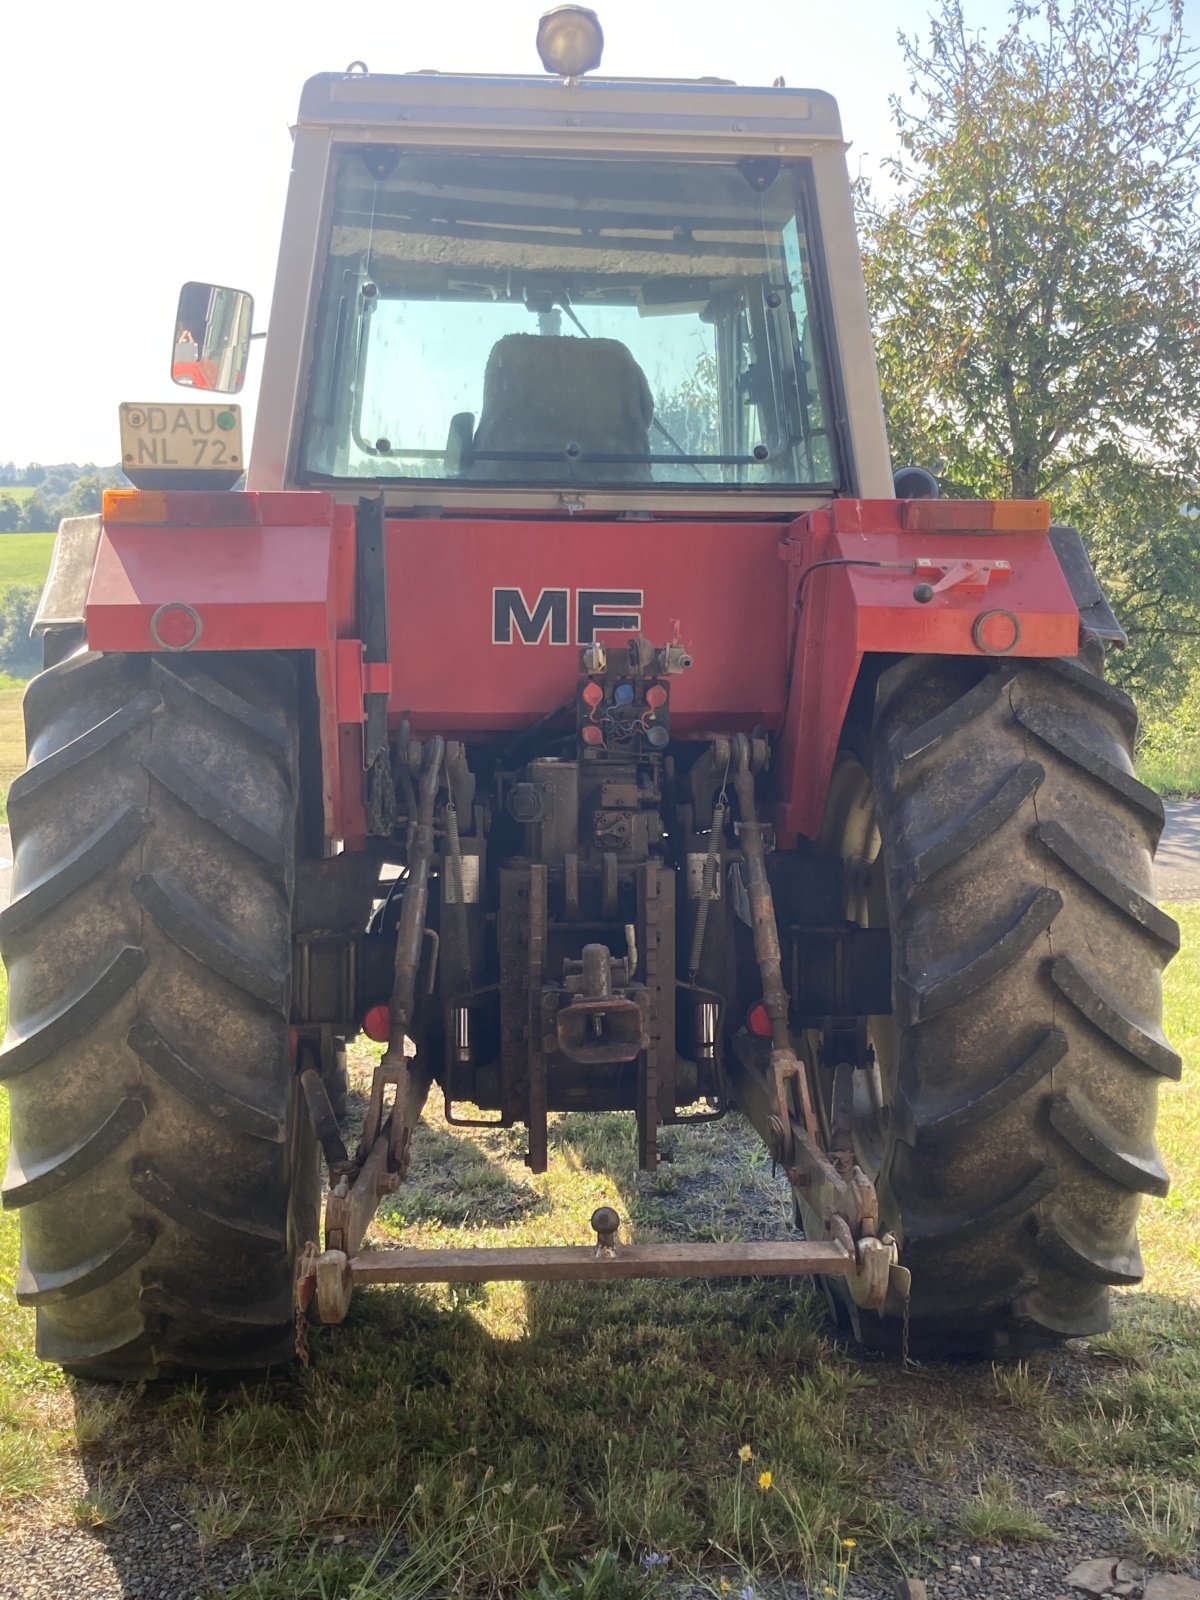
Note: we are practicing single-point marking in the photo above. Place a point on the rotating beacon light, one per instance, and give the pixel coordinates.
(570, 41)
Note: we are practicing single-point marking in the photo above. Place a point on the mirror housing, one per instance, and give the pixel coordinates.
(212, 337)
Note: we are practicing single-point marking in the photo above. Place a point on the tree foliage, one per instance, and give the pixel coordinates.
(1035, 283)
(20, 654)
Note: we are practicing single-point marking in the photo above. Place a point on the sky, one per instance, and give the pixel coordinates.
(142, 148)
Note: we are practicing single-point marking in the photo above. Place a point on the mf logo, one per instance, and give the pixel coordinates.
(514, 619)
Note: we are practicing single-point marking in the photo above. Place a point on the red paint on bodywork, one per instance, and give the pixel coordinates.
(849, 611)
(277, 572)
(717, 582)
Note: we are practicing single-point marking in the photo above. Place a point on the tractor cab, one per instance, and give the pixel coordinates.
(567, 284)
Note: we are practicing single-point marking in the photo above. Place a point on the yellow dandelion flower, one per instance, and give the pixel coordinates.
(843, 1566)
(725, 1586)
(848, 1544)
(764, 1480)
(828, 1590)
(745, 1453)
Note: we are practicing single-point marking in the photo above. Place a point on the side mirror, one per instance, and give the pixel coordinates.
(212, 337)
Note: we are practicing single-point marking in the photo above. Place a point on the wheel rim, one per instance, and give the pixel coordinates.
(850, 831)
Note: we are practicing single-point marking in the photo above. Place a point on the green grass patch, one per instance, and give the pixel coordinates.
(995, 1514)
(1173, 772)
(12, 736)
(1170, 1228)
(25, 558)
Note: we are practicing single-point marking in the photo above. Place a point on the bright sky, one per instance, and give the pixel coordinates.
(146, 147)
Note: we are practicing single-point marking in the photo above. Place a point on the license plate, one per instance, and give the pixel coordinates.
(185, 438)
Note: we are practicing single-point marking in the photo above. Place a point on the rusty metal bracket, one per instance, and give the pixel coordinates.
(328, 1279)
(843, 1204)
(786, 1071)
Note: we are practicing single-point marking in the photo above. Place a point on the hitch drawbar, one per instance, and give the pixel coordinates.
(327, 1278)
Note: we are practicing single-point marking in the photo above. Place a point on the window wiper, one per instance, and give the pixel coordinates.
(576, 454)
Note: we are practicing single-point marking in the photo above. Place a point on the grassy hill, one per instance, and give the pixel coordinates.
(24, 558)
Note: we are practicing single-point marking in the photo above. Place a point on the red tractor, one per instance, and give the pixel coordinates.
(573, 703)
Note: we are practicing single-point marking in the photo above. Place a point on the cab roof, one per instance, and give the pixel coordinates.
(669, 108)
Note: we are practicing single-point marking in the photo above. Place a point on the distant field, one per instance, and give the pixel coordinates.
(24, 557)
(20, 492)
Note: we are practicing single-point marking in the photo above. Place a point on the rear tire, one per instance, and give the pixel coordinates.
(1022, 1060)
(164, 1168)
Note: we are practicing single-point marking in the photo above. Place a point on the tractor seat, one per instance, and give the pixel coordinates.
(571, 398)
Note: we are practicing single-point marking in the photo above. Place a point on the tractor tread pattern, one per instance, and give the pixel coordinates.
(174, 1064)
(181, 684)
(1139, 908)
(100, 849)
(83, 1277)
(32, 782)
(1094, 1138)
(1001, 948)
(945, 1229)
(164, 1296)
(1028, 954)
(189, 787)
(77, 1011)
(193, 929)
(967, 832)
(162, 1164)
(923, 740)
(1061, 1243)
(1100, 1008)
(950, 1120)
(36, 1180)
(190, 1211)
(1051, 730)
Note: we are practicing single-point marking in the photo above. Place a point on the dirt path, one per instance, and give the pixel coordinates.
(1177, 865)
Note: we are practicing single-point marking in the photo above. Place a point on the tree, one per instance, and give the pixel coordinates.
(85, 497)
(1035, 279)
(20, 654)
(1036, 282)
(36, 517)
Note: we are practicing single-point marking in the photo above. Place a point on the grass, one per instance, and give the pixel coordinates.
(1173, 772)
(1164, 1522)
(995, 1514)
(24, 558)
(12, 736)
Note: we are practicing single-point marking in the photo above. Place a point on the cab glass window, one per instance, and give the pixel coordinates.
(571, 322)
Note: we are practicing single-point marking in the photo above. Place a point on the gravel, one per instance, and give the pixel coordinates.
(153, 1553)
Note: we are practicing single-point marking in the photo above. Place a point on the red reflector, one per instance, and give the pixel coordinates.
(592, 694)
(758, 1022)
(996, 632)
(656, 696)
(176, 626)
(376, 1024)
